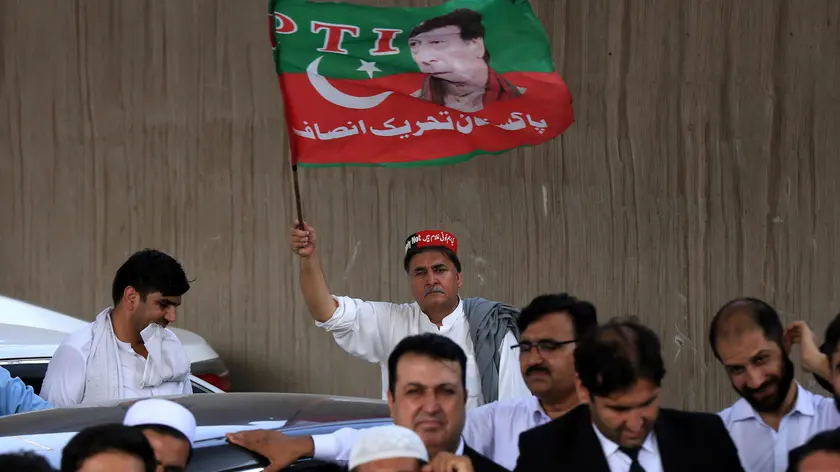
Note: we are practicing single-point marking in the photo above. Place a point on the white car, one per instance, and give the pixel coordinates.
(29, 335)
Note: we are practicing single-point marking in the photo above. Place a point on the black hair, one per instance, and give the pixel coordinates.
(107, 438)
(826, 441)
(149, 271)
(831, 338)
(468, 21)
(614, 356)
(24, 461)
(765, 317)
(445, 250)
(829, 345)
(431, 345)
(583, 314)
(167, 431)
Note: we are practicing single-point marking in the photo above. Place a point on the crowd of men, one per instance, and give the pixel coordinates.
(473, 385)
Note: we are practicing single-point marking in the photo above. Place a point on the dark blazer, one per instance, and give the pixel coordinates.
(688, 442)
(481, 463)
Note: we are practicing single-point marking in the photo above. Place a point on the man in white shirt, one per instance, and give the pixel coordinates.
(485, 330)
(550, 326)
(774, 414)
(426, 393)
(127, 352)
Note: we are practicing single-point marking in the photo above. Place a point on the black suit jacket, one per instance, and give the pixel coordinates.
(481, 463)
(688, 442)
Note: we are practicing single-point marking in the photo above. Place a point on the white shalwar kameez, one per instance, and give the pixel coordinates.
(371, 330)
(92, 365)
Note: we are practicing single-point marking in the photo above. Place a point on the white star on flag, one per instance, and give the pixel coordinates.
(369, 67)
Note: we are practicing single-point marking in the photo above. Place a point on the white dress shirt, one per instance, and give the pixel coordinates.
(618, 461)
(64, 382)
(370, 330)
(492, 430)
(763, 449)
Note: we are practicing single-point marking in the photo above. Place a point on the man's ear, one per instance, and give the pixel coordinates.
(130, 298)
(391, 402)
(582, 392)
(477, 47)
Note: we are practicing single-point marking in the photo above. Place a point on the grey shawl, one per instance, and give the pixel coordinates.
(489, 323)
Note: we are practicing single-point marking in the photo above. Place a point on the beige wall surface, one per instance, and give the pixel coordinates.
(703, 165)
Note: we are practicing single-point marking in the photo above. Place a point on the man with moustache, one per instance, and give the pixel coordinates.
(484, 329)
(621, 428)
(550, 326)
(426, 393)
(774, 414)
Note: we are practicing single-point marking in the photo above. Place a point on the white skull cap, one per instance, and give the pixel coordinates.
(386, 442)
(162, 412)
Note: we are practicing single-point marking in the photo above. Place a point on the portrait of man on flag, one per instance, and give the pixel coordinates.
(451, 51)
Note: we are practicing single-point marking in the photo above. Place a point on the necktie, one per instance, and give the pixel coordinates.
(633, 454)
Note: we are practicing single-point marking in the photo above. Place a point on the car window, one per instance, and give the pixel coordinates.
(197, 388)
(31, 371)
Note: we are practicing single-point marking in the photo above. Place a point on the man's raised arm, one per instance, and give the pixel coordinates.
(313, 284)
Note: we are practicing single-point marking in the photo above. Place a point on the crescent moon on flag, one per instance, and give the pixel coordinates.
(337, 97)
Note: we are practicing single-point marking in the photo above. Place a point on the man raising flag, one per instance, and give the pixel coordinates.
(485, 330)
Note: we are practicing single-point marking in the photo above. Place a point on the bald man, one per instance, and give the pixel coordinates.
(774, 414)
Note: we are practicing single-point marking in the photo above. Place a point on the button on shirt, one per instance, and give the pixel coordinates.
(618, 461)
(763, 449)
(370, 330)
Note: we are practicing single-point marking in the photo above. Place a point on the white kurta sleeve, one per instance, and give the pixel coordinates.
(511, 383)
(334, 447)
(479, 429)
(364, 329)
(64, 382)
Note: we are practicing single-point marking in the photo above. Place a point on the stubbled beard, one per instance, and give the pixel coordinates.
(774, 402)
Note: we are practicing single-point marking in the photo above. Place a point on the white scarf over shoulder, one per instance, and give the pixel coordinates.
(167, 361)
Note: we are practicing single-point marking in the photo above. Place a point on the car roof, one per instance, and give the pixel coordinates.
(244, 410)
(28, 330)
(47, 431)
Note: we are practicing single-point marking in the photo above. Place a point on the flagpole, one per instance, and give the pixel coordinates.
(297, 196)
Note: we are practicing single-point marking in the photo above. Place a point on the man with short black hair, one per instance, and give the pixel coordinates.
(820, 454)
(484, 329)
(621, 427)
(426, 393)
(127, 352)
(774, 414)
(822, 451)
(108, 447)
(27, 461)
(450, 50)
(550, 326)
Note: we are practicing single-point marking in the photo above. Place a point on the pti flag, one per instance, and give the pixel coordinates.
(367, 85)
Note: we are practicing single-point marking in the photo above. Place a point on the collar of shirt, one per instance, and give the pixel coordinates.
(460, 450)
(540, 416)
(611, 448)
(804, 405)
(451, 318)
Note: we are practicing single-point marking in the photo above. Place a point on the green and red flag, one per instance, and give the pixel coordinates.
(369, 85)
